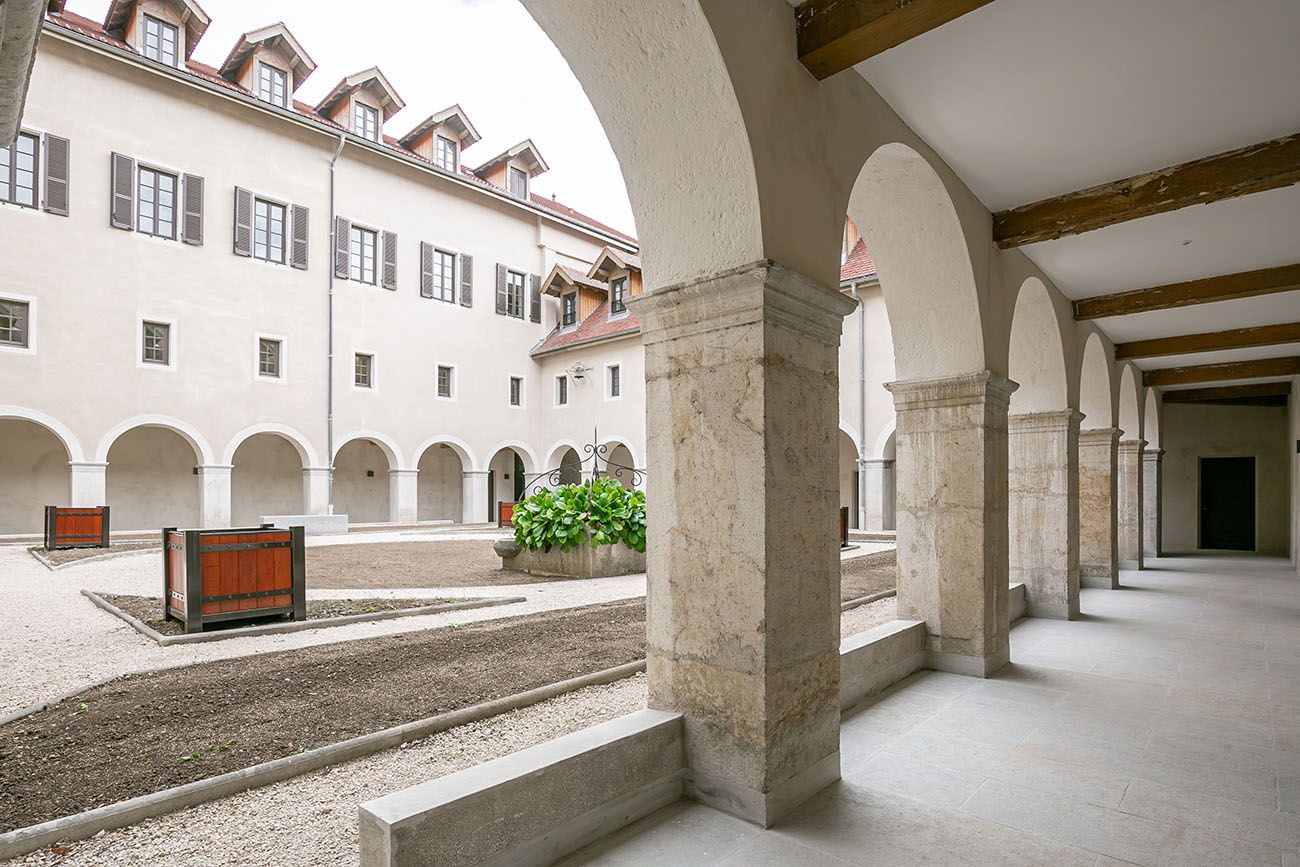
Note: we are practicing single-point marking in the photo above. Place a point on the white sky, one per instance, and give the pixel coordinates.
(488, 55)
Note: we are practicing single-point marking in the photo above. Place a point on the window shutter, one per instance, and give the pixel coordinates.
(426, 269)
(192, 225)
(466, 280)
(56, 174)
(298, 248)
(535, 297)
(389, 277)
(342, 240)
(243, 222)
(501, 290)
(122, 209)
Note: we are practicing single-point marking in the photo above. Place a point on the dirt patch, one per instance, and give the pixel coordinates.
(394, 565)
(870, 573)
(148, 610)
(149, 732)
(72, 555)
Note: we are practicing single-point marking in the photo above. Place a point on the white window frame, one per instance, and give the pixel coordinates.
(37, 199)
(275, 70)
(30, 301)
(173, 342)
(286, 233)
(451, 381)
(455, 275)
(377, 264)
(455, 153)
(523, 390)
(510, 173)
(577, 319)
(355, 114)
(610, 367)
(258, 376)
(162, 23)
(568, 391)
(523, 294)
(374, 367)
(627, 289)
(178, 206)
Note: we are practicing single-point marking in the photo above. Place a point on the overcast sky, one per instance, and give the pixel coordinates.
(488, 55)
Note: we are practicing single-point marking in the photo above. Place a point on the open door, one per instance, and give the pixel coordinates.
(1228, 504)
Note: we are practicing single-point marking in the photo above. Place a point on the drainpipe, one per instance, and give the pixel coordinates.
(329, 376)
(862, 407)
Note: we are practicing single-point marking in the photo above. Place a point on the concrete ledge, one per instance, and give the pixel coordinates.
(971, 666)
(580, 561)
(873, 660)
(1017, 607)
(762, 808)
(868, 599)
(534, 806)
(312, 525)
(1099, 582)
(1131, 565)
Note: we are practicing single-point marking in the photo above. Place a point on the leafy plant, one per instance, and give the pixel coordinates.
(601, 511)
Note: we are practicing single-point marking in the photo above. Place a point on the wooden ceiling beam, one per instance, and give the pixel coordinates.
(1253, 169)
(1219, 372)
(1212, 341)
(1255, 394)
(835, 35)
(1225, 287)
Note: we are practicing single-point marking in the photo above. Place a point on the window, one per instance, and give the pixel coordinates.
(272, 85)
(157, 343)
(160, 41)
(362, 266)
(268, 357)
(365, 121)
(18, 171)
(618, 296)
(569, 309)
(363, 370)
(518, 183)
(156, 197)
(516, 391)
(444, 153)
(13, 323)
(515, 294)
(268, 231)
(444, 380)
(615, 380)
(444, 276)
(561, 391)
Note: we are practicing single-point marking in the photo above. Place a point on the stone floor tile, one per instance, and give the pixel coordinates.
(1219, 816)
(1288, 795)
(773, 850)
(1220, 753)
(682, 833)
(912, 778)
(1197, 848)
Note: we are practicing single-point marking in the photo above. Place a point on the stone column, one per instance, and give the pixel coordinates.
(1128, 503)
(474, 496)
(88, 484)
(879, 507)
(1043, 506)
(742, 608)
(1098, 554)
(952, 517)
(403, 496)
(214, 495)
(316, 490)
(1152, 472)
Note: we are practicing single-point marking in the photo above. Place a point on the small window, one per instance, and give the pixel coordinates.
(444, 380)
(363, 371)
(365, 121)
(18, 170)
(363, 255)
(268, 357)
(569, 309)
(272, 85)
(615, 381)
(161, 41)
(515, 294)
(516, 391)
(268, 231)
(518, 183)
(444, 153)
(14, 323)
(444, 276)
(618, 296)
(561, 391)
(157, 343)
(156, 203)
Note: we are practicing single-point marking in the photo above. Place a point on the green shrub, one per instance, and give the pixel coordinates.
(602, 510)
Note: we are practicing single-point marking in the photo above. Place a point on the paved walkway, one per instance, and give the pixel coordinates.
(1162, 729)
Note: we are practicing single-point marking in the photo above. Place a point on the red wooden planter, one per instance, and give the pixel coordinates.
(85, 527)
(212, 576)
(844, 526)
(505, 514)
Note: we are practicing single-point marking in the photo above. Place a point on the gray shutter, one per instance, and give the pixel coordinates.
(342, 248)
(466, 280)
(192, 223)
(121, 213)
(535, 297)
(56, 174)
(243, 222)
(501, 290)
(298, 241)
(389, 277)
(426, 269)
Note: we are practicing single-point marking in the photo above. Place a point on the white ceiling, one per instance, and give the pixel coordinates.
(1219, 316)
(1227, 382)
(1222, 356)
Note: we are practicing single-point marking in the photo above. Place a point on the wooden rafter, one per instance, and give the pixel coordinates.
(1225, 287)
(1254, 169)
(1236, 338)
(1254, 394)
(1219, 372)
(837, 34)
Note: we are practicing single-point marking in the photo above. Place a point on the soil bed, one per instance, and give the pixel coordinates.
(394, 565)
(148, 610)
(868, 574)
(149, 732)
(61, 556)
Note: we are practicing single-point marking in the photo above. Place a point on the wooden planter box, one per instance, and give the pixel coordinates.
(213, 576)
(505, 514)
(85, 527)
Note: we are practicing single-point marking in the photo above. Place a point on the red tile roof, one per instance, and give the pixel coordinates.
(858, 266)
(565, 211)
(597, 326)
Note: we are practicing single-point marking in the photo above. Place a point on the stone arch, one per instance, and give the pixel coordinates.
(1036, 355)
(34, 472)
(884, 449)
(618, 461)
(186, 431)
(306, 451)
(71, 444)
(150, 478)
(556, 453)
(441, 462)
(1130, 402)
(511, 476)
(571, 467)
(456, 444)
(1096, 386)
(1151, 420)
(848, 475)
(362, 490)
(524, 451)
(266, 476)
(381, 441)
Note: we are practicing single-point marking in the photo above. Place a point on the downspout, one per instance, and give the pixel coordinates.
(329, 376)
(862, 407)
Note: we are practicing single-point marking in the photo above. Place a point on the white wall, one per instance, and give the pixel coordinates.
(33, 474)
(151, 481)
(266, 480)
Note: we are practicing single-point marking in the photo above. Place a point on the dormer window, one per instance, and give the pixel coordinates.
(272, 85)
(161, 41)
(569, 310)
(365, 121)
(444, 153)
(618, 296)
(518, 183)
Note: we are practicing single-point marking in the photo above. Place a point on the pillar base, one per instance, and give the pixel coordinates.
(1053, 611)
(1099, 581)
(971, 666)
(1131, 565)
(762, 808)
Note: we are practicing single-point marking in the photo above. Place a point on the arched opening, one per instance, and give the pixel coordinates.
(440, 484)
(848, 477)
(1098, 444)
(619, 464)
(570, 467)
(1095, 386)
(1130, 403)
(1129, 499)
(151, 480)
(1036, 358)
(361, 486)
(33, 474)
(508, 479)
(1151, 420)
(265, 479)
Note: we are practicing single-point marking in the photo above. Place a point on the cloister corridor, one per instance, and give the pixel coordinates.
(1161, 728)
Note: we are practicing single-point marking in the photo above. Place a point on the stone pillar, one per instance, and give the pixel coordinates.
(1128, 503)
(1043, 507)
(1152, 479)
(474, 497)
(742, 608)
(952, 517)
(879, 507)
(403, 496)
(88, 484)
(214, 495)
(316, 490)
(1098, 554)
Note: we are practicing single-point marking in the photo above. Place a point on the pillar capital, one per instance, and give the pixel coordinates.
(473, 474)
(958, 390)
(1156, 454)
(403, 472)
(87, 465)
(1099, 436)
(1135, 445)
(214, 469)
(877, 462)
(1051, 421)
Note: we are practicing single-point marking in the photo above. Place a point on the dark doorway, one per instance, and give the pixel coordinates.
(1228, 503)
